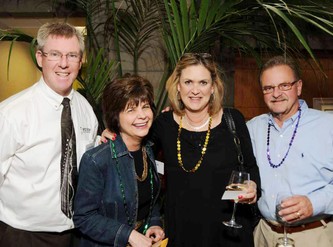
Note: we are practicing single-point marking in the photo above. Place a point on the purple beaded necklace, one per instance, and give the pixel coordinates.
(290, 143)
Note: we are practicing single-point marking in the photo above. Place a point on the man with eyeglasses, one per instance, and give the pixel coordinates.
(32, 177)
(293, 145)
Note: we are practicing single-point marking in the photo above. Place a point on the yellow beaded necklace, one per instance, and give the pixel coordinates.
(203, 151)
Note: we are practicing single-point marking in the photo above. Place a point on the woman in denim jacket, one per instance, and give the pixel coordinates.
(118, 185)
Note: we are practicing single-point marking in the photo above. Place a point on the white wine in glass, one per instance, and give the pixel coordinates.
(284, 241)
(238, 182)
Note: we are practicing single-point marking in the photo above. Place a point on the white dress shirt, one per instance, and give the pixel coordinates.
(30, 152)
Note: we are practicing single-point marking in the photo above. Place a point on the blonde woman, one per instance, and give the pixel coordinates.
(199, 155)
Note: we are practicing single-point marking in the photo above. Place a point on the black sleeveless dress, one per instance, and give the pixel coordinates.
(193, 207)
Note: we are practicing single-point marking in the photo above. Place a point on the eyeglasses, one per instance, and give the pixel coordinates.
(285, 86)
(57, 56)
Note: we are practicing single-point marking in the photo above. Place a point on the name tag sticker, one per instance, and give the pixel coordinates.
(160, 167)
(85, 130)
(231, 195)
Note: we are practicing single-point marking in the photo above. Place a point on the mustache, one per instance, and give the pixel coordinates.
(279, 99)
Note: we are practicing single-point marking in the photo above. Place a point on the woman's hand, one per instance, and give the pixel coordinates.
(250, 196)
(106, 135)
(156, 233)
(166, 109)
(137, 239)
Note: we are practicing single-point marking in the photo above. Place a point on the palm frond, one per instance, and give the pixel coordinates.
(14, 36)
(252, 27)
(97, 72)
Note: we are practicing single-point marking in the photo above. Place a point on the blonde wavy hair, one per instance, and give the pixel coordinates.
(190, 59)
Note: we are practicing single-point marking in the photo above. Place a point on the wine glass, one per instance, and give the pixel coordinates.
(283, 241)
(238, 183)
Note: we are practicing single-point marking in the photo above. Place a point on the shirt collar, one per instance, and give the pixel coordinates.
(52, 97)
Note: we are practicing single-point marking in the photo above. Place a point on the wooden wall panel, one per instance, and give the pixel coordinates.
(248, 97)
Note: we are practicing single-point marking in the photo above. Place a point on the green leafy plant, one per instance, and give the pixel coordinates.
(247, 26)
(252, 27)
(96, 73)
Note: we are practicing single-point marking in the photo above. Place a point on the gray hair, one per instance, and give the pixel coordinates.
(61, 29)
(280, 60)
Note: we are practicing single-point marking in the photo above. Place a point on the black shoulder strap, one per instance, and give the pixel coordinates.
(232, 128)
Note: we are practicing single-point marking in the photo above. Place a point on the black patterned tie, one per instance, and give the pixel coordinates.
(68, 160)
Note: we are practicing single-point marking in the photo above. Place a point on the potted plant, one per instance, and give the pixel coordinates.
(250, 27)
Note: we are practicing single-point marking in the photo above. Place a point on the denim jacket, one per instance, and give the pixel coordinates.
(99, 211)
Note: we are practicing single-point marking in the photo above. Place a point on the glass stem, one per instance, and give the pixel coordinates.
(285, 235)
(233, 212)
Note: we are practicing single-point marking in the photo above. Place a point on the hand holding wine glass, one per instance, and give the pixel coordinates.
(284, 241)
(238, 183)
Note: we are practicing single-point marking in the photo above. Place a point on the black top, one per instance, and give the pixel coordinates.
(194, 210)
(144, 187)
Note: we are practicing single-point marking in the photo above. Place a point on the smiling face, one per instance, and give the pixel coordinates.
(282, 104)
(59, 75)
(195, 88)
(135, 122)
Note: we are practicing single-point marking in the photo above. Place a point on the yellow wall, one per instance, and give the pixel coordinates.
(22, 71)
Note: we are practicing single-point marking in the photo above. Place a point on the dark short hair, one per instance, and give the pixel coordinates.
(280, 60)
(123, 91)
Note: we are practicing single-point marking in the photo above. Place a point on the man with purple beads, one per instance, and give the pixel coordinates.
(293, 145)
